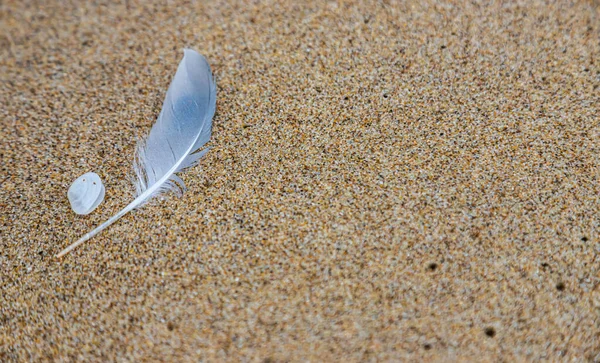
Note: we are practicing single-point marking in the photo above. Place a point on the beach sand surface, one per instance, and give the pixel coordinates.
(388, 181)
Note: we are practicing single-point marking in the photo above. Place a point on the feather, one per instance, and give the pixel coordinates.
(182, 128)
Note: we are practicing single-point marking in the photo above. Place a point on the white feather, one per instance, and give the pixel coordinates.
(183, 126)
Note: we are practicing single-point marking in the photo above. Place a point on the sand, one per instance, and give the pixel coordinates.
(388, 181)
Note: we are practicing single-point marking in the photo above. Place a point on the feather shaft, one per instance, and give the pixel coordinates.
(137, 201)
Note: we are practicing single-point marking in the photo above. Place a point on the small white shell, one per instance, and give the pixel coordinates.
(86, 193)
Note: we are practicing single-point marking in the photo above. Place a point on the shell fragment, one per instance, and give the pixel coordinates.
(86, 193)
